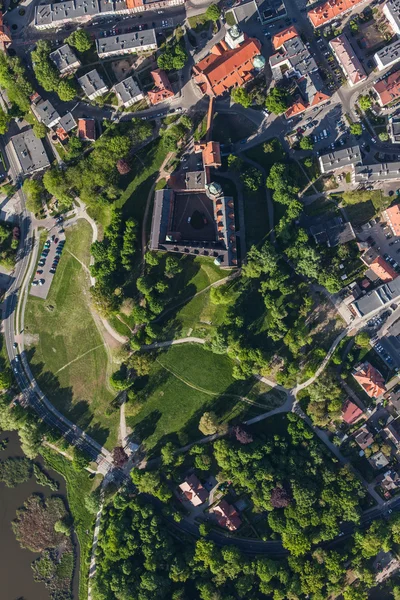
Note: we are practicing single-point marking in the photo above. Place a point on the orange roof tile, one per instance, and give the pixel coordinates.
(227, 515)
(193, 490)
(322, 14)
(350, 412)
(62, 134)
(393, 216)
(370, 379)
(232, 68)
(212, 154)
(162, 89)
(382, 269)
(134, 3)
(296, 108)
(283, 36)
(86, 129)
(388, 88)
(348, 59)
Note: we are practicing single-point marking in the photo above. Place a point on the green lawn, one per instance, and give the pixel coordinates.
(362, 206)
(186, 381)
(60, 330)
(199, 23)
(78, 486)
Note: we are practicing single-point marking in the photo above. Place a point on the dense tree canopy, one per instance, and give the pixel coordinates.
(80, 39)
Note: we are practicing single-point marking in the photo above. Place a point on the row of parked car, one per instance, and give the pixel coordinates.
(43, 258)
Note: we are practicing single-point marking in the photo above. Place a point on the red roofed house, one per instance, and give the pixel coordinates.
(86, 130)
(284, 36)
(162, 87)
(193, 490)
(392, 216)
(370, 379)
(5, 35)
(387, 89)
(311, 94)
(351, 413)
(227, 516)
(348, 60)
(62, 134)
(383, 269)
(225, 68)
(330, 10)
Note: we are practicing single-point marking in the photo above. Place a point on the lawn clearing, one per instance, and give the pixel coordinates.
(184, 382)
(363, 205)
(78, 485)
(64, 346)
(199, 23)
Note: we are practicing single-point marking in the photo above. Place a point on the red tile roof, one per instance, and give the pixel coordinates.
(383, 270)
(388, 88)
(227, 516)
(162, 87)
(283, 36)
(62, 134)
(323, 13)
(86, 129)
(5, 35)
(348, 59)
(212, 154)
(193, 490)
(370, 379)
(218, 73)
(392, 214)
(350, 412)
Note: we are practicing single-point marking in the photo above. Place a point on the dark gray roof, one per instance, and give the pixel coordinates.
(297, 54)
(91, 82)
(127, 89)
(30, 152)
(67, 122)
(374, 300)
(195, 180)
(127, 41)
(340, 158)
(45, 112)
(394, 128)
(162, 208)
(63, 57)
(393, 6)
(332, 231)
(389, 54)
(70, 10)
(377, 172)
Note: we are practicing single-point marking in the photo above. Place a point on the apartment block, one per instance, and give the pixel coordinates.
(127, 43)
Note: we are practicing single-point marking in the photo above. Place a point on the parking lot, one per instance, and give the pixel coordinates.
(380, 237)
(51, 254)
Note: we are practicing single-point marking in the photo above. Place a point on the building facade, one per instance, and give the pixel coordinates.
(92, 85)
(65, 60)
(128, 92)
(29, 152)
(348, 60)
(127, 43)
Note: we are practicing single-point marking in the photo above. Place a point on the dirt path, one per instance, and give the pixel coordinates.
(78, 358)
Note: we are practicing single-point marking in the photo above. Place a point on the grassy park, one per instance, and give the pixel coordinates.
(64, 346)
(184, 382)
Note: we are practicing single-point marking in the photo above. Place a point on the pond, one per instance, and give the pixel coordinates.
(16, 574)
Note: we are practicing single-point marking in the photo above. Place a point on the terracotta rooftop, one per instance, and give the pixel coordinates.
(350, 412)
(162, 87)
(363, 437)
(392, 215)
(388, 88)
(228, 68)
(193, 490)
(227, 516)
(383, 269)
(283, 36)
(62, 134)
(322, 14)
(86, 129)
(348, 59)
(370, 379)
(212, 154)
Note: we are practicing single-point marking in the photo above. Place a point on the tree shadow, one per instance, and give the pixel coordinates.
(147, 426)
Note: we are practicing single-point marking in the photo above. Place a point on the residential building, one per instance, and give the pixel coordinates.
(293, 57)
(227, 516)
(162, 88)
(331, 10)
(66, 124)
(311, 93)
(128, 92)
(29, 152)
(339, 159)
(391, 10)
(92, 85)
(193, 491)
(211, 153)
(394, 129)
(225, 68)
(127, 43)
(49, 16)
(390, 482)
(376, 172)
(364, 437)
(378, 460)
(377, 299)
(65, 60)
(330, 230)
(392, 218)
(387, 89)
(141, 5)
(348, 60)
(5, 33)
(392, 434)
(45, 113)
(378, 265)
(87, 130)
(388, 56)
(370, 379)
(351, 413)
